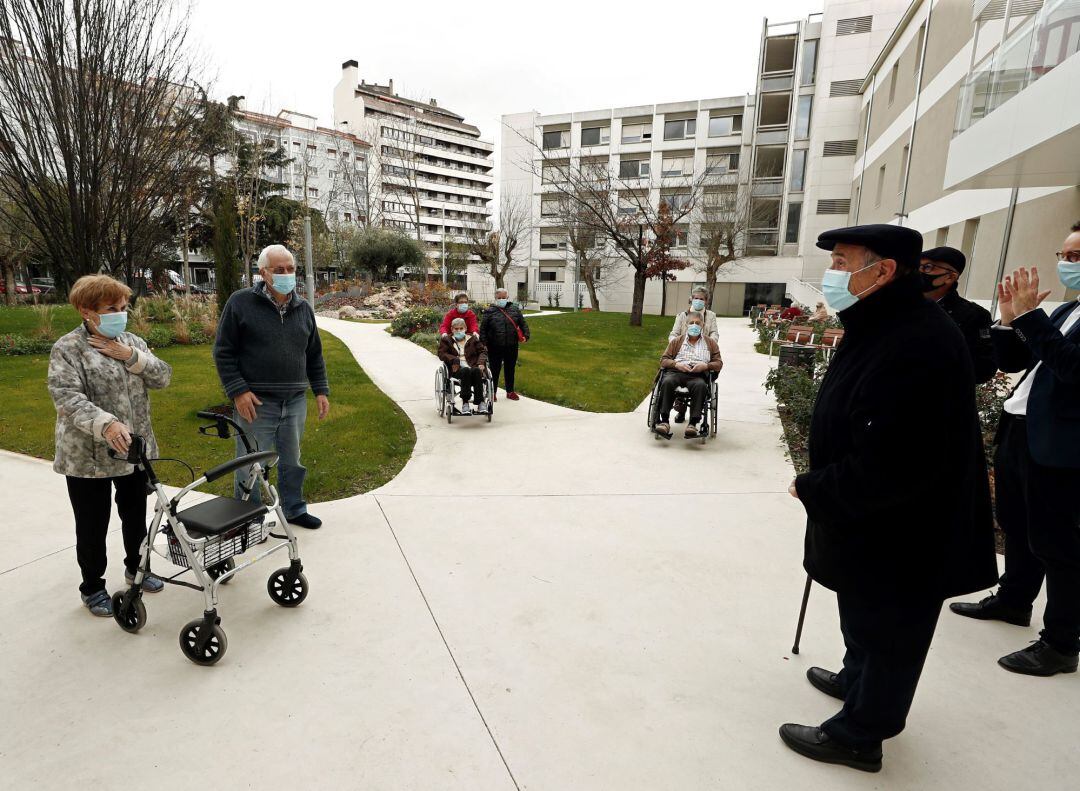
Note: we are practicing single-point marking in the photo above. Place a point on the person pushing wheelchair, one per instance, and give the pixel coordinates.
(688, 362)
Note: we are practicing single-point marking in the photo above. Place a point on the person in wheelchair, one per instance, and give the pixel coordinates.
(689, 360)
(466, 356)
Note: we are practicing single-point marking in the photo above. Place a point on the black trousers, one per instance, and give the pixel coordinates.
(1039, 511)
(503, 358)
(887, 643)
(90, 502)
(698, 384)
(472, 383)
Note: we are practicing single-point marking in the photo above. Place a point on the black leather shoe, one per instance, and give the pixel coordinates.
(1039, 659)
(993, 609)
(811, 741)
(680, 417)
(825, 681)
(306, 520)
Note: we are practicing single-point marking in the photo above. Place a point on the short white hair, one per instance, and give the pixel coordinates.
(502, 291)
(274, 249)
(694, 314)
(457, 323)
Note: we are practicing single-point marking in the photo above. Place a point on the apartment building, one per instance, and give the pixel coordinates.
(431, 174)
(970, 133)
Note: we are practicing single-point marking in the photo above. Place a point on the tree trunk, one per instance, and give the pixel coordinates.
(590, 283)
(9, 283)
(710, 283)
(637, 306)
(186, 273)
(499, 275)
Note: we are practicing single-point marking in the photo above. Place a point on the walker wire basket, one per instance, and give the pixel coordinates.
(221, 547)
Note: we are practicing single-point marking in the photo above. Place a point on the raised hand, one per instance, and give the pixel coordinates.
(1024, 290)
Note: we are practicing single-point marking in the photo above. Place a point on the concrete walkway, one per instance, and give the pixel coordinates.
(553, 600)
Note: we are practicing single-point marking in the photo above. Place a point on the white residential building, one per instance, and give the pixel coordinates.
(430, 169)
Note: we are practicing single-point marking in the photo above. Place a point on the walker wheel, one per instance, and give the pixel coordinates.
(213, 650)
(132, 618)
(287, 588)
(450, 413)
(219, 569)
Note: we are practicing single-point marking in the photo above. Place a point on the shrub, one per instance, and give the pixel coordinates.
(45, 315)
(137, 320)
(433, 294)
(796, 390)
(158, 337)
(409, 322)
(159, 310)
(428, 340)
(21, 344)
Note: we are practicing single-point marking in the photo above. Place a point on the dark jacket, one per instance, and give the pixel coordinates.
(497, 330)
(1053, 412)
(974, 323)
(897, 497)
(269, 349)
(475, 351)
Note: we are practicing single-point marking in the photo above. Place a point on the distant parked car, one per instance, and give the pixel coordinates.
(46, 284)
(20, 288)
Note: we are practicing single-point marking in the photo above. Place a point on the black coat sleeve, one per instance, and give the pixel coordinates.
(977, 334)
(1011, 354)
(1048, 345)
(890, 441)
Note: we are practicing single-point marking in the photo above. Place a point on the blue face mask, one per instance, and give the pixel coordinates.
(462, 307)
(693, 330)
(1069, 273)
(112, 324)
(501, 303)
(697, 304)
(459, 336)
(284, 284)
(834, 285)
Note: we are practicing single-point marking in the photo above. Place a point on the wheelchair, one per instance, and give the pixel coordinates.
(207, 537)
(447, 390)
(706, 428)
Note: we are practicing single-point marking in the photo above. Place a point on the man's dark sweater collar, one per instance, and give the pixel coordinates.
(281, 307)
(884, 306)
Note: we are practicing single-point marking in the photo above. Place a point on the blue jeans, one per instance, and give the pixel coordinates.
(279, 426)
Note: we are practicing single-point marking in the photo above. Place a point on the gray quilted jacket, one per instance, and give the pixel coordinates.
(91, 391)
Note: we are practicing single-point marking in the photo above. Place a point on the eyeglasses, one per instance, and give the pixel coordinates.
(1073, 256)
(930, 266)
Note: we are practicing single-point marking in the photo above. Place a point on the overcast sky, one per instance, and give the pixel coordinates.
(483, 59)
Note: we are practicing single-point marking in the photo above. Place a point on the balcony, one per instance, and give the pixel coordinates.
(1033, 73)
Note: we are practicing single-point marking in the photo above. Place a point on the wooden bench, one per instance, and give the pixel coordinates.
(796, 335)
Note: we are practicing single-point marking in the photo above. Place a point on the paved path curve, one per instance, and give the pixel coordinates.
(550, 601)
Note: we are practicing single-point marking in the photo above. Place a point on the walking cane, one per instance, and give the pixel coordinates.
(802, 615)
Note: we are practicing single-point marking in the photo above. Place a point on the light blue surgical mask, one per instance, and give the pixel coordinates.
(693, 330)
(284, 284)
(112, 324)
(834, 285)
(1069, 273)
(501, 303)
(459, 336)
(462, 307)
(697, 304)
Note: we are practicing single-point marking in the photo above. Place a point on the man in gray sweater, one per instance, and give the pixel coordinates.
(267, 353)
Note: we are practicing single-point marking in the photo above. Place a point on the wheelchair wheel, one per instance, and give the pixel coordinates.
(287, 588)
(213, 650)
(131, 618)
(650, 417)
(440, 391)
(714, 408)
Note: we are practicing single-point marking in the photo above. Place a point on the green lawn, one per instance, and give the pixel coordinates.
(593, 361)
(22, 320)
(363, 444)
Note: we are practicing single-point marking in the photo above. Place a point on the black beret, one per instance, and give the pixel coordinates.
(903, 245)
(947, 255)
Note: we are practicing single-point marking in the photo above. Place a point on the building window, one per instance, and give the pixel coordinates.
(802, 116)
(798, 170)
(775, 109)
(595, 135)
(633, 168)
(894, 77)
(552, 241)
(769, 162)
(680, 130)
(682, 165)
(313, 192)
(681, 237)
(348, 216)
(721, 199)
(676, 201)
(808, 68)
(765, 213)
(779, 54)
(550, 174)
(636, 133)
(718, 163)
(724, 125)
(791, 229)
(547, 277)
(880, 186)
(853, 25)
(550, 206)
(557, 139)
(904, 161)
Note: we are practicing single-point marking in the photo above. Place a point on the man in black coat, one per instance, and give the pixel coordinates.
(1037, 469)
(940, 272)
(888, 537)
(500, 325)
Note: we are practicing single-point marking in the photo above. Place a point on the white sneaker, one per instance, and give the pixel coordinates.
(466, 409)
(483, 407)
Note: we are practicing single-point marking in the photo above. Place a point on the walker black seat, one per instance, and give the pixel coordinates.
(219, 515)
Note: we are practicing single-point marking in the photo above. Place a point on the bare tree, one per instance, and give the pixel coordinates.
(95, 120)
(723, 219)
(499, 250)
(620, 209)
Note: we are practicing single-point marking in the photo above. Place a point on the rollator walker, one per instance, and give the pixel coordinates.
(207, 537)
